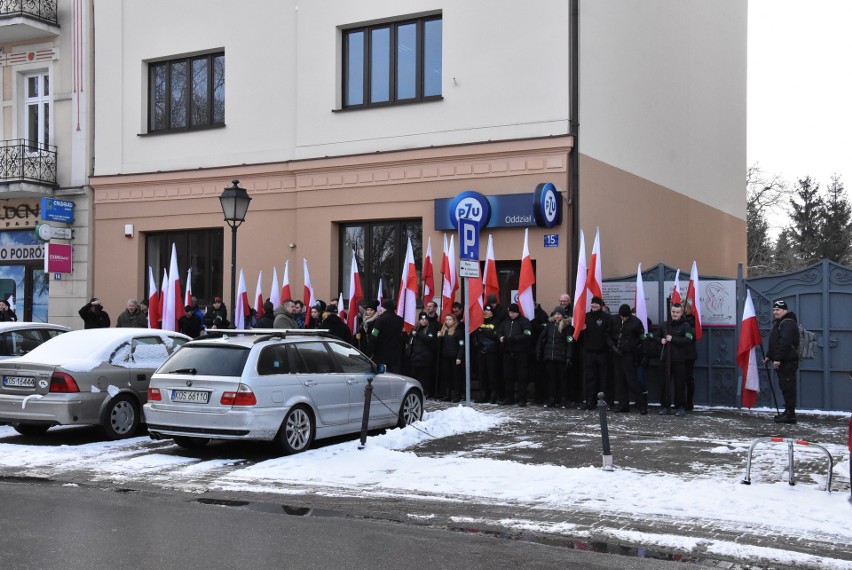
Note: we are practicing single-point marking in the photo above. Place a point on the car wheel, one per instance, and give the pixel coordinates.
(411, 409)
(30, 429)
(121, 417)
(297, 431)
(190, 442)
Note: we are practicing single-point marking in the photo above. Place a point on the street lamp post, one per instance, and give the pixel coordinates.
(235, 203)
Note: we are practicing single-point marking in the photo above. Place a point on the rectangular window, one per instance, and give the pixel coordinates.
(37, 115)
(202, 250)
(392, 63)
(187, 93)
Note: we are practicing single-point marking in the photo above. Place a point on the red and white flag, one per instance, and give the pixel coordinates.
(453, 266)
(693, 293)
(526, 281)
(355, 295)
(406, 305)
(747, 353)
(428, 275)
(676, 288)
(153, 301)
(309, 298)
(489, 274)
(449, 285)
(381, 296)
(163, 286)
(341, 309)
(594, 282)
(285, 285)
(580, 291)
(639, 301)
(275, 292)
(476, 316)
(173, 302)
(243, 306)
(188, 289)
(258, 295)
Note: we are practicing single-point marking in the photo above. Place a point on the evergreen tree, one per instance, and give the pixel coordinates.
(763, 195)
(758, 243)
(837, 231)
(807, 215)
(784, 257)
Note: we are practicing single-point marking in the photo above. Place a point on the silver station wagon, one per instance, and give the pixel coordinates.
(287, 386)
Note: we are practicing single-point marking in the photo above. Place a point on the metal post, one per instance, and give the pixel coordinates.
(365, 419)
(233, 272)
(607, 454)
(467, 341)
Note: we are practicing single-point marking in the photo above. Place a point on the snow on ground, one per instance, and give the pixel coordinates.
(389, 465)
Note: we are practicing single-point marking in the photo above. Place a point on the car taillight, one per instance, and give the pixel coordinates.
(61, 382)
(154, 395)
(242, 397)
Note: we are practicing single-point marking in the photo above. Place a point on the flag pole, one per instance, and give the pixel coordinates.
(769, 376)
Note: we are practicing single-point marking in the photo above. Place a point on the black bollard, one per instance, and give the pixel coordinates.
(365, 419)
(607, 455)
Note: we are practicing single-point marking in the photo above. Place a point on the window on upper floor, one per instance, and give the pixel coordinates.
(392, 63)
(187, 93)
(37, 114)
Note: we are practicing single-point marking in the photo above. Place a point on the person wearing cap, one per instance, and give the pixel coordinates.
(485, 346)
(597, 342)
(190, 324)
(555, 350)
(364, 337)
(515, 334)
(627, 335)
(388, 338)
(93, 315)
(783, 353)
(283, 315)
(216, 316)
(675, 335)
(421, 351)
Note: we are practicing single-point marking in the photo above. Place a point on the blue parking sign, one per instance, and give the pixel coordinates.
(468, 239)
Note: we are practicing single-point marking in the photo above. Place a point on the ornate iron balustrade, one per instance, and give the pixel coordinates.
(44, 10)
(26, 161)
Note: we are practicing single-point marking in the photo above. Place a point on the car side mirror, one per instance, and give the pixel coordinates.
(380, 369)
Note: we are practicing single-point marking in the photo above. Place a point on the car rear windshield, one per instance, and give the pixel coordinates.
(207, 360)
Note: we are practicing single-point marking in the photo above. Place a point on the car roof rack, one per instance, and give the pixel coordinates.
(265, 334)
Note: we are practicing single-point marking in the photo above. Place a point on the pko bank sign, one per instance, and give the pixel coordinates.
(543, 208)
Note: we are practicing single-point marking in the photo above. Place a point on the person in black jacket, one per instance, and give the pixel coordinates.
(93, 315)
(596, 341)
(515, 334)
(451, 357)
(190, 323)
(675, 335)
(335, 325)
(627, 334)
(422, 345)
(388, 337)
(555, 345)
(7, 314)
(486, 347)
(267, 320)
(784, 354)
(216, 316)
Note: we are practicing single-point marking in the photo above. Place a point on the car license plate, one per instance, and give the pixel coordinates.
(19, 381)
(190, 396)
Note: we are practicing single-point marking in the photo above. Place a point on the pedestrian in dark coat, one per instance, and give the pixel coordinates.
(674, 335)
(268, 319)
(132, 316)
(421, 350)
(364, 337)
(451, 357)
(627, 334)
(596, 342)
(190, 324)
(515, 333)
(554, 350)
(335, 325)
(486, 345)
(6, 314)
(783, 353)
(388, 338)
(216, 316)
(93, 315)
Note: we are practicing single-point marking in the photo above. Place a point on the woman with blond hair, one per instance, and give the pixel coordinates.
(451, 350)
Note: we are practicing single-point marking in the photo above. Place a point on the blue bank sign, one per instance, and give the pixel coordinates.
(501, 211)
(53, 210)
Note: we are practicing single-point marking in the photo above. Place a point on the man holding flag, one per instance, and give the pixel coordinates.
(783, 353)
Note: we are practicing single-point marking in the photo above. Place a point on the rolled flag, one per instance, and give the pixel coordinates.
(639, 302)
(406, 305)
(453, 266)
(526, 281)
(448, 292)
(309, 298)
(153, 301)
(242, 309)
(489, 275)
(285, 285)
(173, 298)
(428, 274)
(355, 295)
(747, 353)
(475, 304)
(275, 292)
(693, 293)
(341, 309)
(163, 286)
(581, 297)
(188, 290)
(594, 283)
(381, 296)
(676, 288)
(258, 295)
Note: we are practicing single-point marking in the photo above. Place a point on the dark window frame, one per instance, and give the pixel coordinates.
(200, 248)
(393, 98)
(210, 86)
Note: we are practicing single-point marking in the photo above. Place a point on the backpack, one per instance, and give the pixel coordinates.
(807, 343)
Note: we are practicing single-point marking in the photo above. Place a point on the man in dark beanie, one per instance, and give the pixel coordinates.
(627, 334)
(388, 338)
(515, 334)
(783, 353)
(597, 342)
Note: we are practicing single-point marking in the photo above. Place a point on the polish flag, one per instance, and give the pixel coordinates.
(449, 285)
(594, 282)
(188, 290)
(355, 295)
(153, 301)
(639, 301)
(381, 296)
(242, 309)
(489, 275)
(580, 293)
(173, 298)
(406, 305)
(525, 292)
(341, 309)
(676, 289)
(693, 293)
(285, 285)
(275, 292)
(453, 265)
(309, 298)
(475, 304)
(747, 353)
(163, 286)
(258, 295)
(428, 275)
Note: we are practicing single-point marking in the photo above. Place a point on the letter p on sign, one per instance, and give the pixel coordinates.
(468, 239)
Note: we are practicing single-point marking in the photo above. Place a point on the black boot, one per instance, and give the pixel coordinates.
(643, 403)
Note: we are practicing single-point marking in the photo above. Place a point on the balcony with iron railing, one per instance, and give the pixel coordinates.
(26, 168)
(28, 20)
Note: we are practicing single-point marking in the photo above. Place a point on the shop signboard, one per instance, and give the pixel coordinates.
(504, 210)
(54, 210)
(58, 258)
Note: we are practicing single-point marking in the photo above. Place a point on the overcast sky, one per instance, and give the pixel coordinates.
(799, 104)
